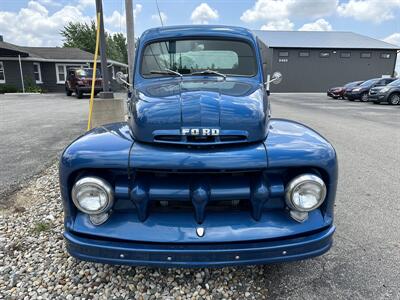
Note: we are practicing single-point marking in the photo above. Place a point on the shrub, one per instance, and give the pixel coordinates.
(34, 89)
(30, 87)
(7, 88)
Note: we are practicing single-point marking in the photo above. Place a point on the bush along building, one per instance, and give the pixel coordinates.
(44, 68)
(313, 61)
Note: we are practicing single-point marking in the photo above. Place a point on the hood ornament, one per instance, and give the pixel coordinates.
(200, 231)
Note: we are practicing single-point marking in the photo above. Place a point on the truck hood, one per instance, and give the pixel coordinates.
(160, 110)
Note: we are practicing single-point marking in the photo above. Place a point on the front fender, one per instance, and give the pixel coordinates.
(293, 145)
(105, 147)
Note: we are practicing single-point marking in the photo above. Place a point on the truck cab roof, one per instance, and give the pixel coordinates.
(183, 31)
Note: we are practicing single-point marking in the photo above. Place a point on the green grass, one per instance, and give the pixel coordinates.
(41, 226)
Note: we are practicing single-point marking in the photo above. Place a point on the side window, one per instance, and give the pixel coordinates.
(345, 54)
(264, 52)
(71, 74)
(381, 82)
(37, 72)
(2, 73)
(385, 55)
(283, 53)
(304, 54)
(365, 55)
(389, 80)
(60, 72)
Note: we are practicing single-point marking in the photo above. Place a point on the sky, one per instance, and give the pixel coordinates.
(38, 22)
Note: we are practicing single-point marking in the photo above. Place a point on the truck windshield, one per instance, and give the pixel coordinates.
(227, 57)
(87, 73)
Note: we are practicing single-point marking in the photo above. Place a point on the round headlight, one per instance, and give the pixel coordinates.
(305, 192)
(92, 195)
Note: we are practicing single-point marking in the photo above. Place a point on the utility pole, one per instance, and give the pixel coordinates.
(130, 36)
(104, 70)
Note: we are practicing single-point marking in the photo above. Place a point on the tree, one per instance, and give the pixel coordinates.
(83, 36)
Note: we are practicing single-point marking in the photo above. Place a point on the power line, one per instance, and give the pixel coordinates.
(159, 14)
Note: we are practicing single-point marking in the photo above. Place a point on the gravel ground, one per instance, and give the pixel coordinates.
(34, 263)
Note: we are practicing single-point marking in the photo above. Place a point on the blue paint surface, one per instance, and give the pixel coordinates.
(200, 183)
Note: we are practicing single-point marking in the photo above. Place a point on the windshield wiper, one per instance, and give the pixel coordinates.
(209, 72)
(166, 72)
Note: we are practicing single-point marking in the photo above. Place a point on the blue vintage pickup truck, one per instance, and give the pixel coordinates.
(200, 175)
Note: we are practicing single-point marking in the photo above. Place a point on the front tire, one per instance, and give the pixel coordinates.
(394, 99)
(364, 97)
(78, 94)
(68, 92)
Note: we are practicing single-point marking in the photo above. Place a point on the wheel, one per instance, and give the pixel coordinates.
(78, 94)
(394, 99)
(334, 97)
(68, 92)
(376, 102)
(364, 97)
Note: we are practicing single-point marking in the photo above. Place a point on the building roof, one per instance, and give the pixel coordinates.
(52, 53)
(321, 39)
(57, 53)
(13, 48)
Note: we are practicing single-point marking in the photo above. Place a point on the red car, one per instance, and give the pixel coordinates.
(338, 92)
(79, 81)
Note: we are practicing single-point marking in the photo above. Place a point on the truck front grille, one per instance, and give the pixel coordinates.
(200, 140)
(201, 192)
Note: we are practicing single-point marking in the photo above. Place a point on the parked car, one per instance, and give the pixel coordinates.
(389, 93)
(338, 92)
(79, 81)
(361, 92)
(199, 175)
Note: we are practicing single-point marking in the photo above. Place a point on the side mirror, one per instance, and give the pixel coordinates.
(276, 78)
(122, 78)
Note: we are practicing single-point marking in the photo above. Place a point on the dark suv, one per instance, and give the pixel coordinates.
(361, 92)
(79, 81)
(389, 93)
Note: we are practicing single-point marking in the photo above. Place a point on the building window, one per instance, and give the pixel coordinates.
(324, 54)
(365, 54)
(283, 53)
(304, 54)
(61, 71)
(385, 55)
(345, 54)
(37, 72)
(2, 74)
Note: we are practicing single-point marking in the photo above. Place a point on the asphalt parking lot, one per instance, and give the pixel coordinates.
(364, 262)
(34, 129)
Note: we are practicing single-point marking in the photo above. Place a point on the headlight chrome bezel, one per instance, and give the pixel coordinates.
(99, 183)
(299, 180)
